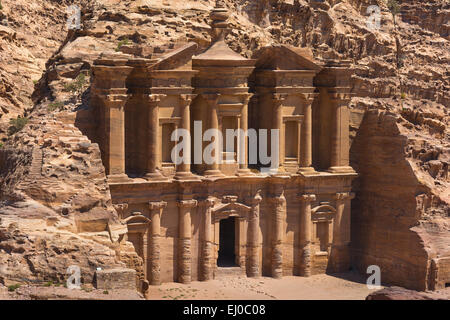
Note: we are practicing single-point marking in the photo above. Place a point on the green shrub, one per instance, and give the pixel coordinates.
(1, 145)
(48, 284)
(13, 287)
(16, 125)
(106, 292)
(393, 7)
(1, 7)
(77, 84)
(403, 96)
(57, 105)
(121, 43)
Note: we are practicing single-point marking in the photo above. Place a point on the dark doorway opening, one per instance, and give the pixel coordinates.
(227, 236)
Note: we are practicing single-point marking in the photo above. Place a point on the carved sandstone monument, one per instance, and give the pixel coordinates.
(86, 115)
(186, 220)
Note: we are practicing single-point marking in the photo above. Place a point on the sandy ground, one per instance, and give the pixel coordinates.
(26, 292)
(349, 286)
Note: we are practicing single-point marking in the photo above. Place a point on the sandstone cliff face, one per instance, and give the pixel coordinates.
(30, 32)
(399, 220)
(56, 210)
(401, 211)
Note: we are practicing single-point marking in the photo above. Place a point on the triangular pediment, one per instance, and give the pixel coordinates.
(232, 206)
(284, 57)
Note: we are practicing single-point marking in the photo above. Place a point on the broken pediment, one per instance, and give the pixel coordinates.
(180, 58)
(284, 57)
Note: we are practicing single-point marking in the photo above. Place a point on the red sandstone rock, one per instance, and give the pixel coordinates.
(398, 293)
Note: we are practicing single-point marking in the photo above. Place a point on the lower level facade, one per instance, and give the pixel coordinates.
(275, 226)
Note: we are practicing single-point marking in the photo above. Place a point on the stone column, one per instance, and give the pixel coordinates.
(278, 99)
(156, 209)
(213, 100)
(207, 247)
(184, 169)
(306, 137)
(305, 234)
(253, 243)
(340, 255)
(109, 86)
(243, 167)
(340, 145)
(279, 215)
(115, 134)
(184, 245)
(154, 148)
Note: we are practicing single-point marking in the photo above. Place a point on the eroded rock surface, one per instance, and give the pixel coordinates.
(398, 293)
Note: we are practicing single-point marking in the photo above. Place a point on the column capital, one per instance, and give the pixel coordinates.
(121, 208)
(256, 200)
(157, 205)
(155, 98)
(245, 97)
(307, 197)
(208, 203)
(308, 97)
(279, 98)
(344, 195)
(187, 98)
(279, 200)
(187, 203)
(114, 100)
(211, 98)
(343, 97)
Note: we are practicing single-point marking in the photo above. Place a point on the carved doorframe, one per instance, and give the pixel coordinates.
(323, 213)
(230, 208)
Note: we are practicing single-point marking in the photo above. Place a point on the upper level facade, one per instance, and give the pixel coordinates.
(139, 103)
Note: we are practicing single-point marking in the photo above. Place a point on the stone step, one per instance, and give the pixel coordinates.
(229, 272)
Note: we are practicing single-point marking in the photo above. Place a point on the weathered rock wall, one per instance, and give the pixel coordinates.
(390, 225)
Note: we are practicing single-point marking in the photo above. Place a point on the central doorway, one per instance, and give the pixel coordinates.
(227, 236)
